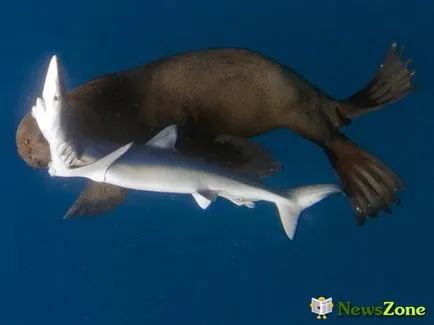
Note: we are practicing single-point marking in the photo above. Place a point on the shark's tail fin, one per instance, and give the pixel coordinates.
(300, 199)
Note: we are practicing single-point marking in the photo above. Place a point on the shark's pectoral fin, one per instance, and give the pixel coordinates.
(95, 171)
(204, 198)
(95, 199)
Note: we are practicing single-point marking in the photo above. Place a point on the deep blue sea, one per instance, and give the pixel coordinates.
(160, 259)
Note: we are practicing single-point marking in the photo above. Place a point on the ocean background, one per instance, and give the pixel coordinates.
(160, 259)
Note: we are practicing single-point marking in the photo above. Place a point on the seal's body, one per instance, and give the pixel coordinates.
(239, 93)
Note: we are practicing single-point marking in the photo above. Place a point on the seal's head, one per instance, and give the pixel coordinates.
(31, 144)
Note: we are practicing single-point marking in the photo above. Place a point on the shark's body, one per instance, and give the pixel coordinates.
(232, 92)
(157, 166)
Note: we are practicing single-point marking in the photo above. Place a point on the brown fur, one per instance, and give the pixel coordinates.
(240, 93)
(31, 144)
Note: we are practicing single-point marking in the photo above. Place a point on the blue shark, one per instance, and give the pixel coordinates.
(157, 166)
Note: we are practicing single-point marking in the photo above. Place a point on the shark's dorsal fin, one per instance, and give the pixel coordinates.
(165, 139)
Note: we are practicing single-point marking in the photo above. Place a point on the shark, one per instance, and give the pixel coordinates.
(157, 166)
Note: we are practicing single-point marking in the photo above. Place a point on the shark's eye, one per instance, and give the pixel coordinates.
(57, 98)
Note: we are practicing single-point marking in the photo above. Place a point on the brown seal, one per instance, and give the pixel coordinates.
(239, 93)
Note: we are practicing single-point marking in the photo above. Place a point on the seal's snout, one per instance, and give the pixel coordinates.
(31, 144)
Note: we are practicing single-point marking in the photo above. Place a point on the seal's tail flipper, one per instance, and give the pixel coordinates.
(370, 185)
(392, 81)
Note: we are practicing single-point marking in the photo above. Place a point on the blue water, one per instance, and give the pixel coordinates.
(160, 259)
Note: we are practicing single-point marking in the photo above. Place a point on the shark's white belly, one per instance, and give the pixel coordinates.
(172, 179)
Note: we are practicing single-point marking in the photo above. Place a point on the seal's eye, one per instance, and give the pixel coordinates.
(57, 98)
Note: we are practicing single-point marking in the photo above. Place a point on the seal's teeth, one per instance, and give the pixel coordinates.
(40, 103)
(34, 111)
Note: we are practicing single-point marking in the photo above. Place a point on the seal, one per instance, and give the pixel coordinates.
(116, 121)
(156, 166)
(239, 93)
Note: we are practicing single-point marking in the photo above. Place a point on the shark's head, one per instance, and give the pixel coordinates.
(54, 92)
(31, 144)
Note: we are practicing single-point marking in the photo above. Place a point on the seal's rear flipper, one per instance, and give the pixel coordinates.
(370, 185)
(391, 82)
(96, 199)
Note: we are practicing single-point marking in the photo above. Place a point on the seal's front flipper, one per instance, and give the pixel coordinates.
(253, 158)
(238, 154)
(96, 199)
(392, 81)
